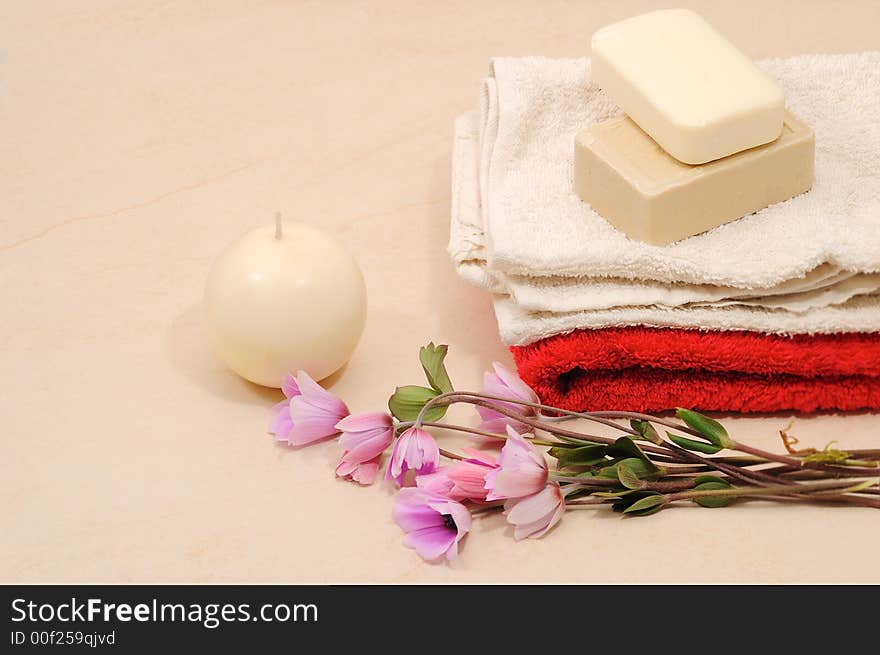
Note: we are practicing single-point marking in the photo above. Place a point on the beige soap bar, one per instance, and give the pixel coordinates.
(686, 85)
(648, 195)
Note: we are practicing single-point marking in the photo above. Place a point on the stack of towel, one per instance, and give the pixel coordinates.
(778, 310)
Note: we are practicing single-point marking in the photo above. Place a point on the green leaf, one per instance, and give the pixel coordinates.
(693, 444)
(708, 428)
(578, 493)
(432, 357)
(628, 477)
(580, 456)
(608, 472)
(626, 447)
(712, 501)
(646, 431)
(646, 506)
(711, 478)
(406, 403)
(640, 467)
(558, 451)
(627, 498)
(582, 474)
(614, 494)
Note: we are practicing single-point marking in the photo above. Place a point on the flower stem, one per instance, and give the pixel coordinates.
(776, 481)
(587, 502)
(450, 455)
(805, 488)
(483, 433)
(586, 482)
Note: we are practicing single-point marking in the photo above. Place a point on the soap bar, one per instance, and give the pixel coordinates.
(637, 187)
(686, 85)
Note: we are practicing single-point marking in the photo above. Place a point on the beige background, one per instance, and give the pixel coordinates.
(138, 138)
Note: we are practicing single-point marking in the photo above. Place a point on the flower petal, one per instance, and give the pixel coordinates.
(411, 512)
(431, 543)
(469, 480)
(531, 508)
(360, 472)
(365, 449)
(320, 397)
(521, 470)
(461, 516)
(366, 435)
(281, 423)
(479, 457)
(436, 483)
(309, 424)
(534, 515)
(497, 423)
(395, 469)
(289, 386)
(365, 421)
(513, 382)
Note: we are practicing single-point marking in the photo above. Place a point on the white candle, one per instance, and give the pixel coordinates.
(282, 298)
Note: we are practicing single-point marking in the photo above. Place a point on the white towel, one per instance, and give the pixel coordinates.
(519, 327)
(566, 294)
(816, 289)
(535, 224)
(552, 253)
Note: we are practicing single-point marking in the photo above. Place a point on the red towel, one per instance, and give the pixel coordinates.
(656, 369)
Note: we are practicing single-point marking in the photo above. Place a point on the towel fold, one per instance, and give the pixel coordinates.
(651, 370)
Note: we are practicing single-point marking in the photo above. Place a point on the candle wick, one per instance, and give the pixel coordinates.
(277, 225)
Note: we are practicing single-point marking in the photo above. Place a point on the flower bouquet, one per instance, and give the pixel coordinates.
(637, 474)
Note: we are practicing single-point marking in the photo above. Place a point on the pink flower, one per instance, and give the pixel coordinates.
(534, 515)
(414, 449)
(506, 384)
(360, 472)
(364, 438)
(521, 470)
(434, 524)
(315, 412)
(366, 435)
(464, 480)
(282, 424)
(437, 483)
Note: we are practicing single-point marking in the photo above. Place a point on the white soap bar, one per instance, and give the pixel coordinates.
(686, 85)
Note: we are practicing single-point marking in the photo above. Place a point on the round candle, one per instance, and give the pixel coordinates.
(282, 298)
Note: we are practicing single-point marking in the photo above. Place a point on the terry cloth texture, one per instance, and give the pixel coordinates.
(650, 370)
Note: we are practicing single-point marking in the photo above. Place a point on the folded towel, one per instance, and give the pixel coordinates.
(817, 288)
(519, 326)
(535, 225)
(807, 293)
(650, 369)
